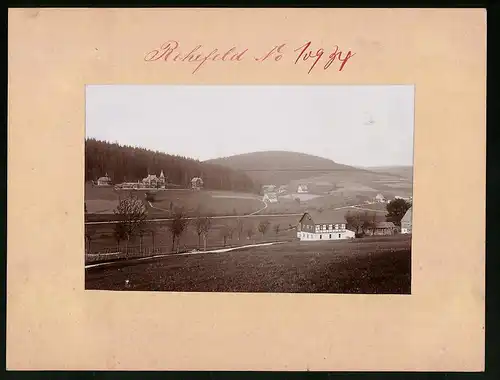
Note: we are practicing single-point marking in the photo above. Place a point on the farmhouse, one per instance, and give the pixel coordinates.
(282, 189)
(406, 222)
(104, 181)
(270, 197)
(302, 189)
(382, 228)
(326, 225)
(380, 198)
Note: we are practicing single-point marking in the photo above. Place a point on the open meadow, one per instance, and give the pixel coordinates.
(223, 232)
(103, 200)
(365, 266)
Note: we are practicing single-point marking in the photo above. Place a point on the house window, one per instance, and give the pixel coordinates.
(340, 236)
(336, 226)
(330, 227)
(330, 236)
(320, 236)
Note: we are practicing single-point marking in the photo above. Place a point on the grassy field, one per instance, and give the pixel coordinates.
(102, 234)
(102, 200)
(370, 265)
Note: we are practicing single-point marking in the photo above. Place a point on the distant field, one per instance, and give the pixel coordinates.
(102, 200)
(100, 193)
(382, 207)
(304, 197)
(101, 206)
(215, 203)
(370, 265)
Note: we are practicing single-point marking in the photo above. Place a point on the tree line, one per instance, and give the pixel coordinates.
(129, 164)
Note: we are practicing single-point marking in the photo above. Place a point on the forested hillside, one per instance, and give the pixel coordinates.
(127, 163)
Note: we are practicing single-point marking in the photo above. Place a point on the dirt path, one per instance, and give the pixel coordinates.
(220, 250)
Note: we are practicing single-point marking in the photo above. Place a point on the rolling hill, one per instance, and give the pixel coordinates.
(323, 176)
(281, 167)
(402, 171)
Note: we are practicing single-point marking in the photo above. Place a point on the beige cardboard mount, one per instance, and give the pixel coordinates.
(53, 323)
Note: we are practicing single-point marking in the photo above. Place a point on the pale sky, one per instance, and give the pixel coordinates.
(205, 122)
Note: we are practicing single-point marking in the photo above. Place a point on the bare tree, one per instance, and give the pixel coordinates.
(119, 234)
(250, 232)
(203, 225)
(230, 232)
(131, 215)
(141, 232)
(224, 233)
(277, 229)
(263, 227)
(177, 227)
(239, 227)
(152, 231)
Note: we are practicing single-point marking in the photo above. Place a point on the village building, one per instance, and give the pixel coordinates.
(104, 181)
(196, 183)
(270, 198)
(301, 189)
(152, 181)
(406, 222)
(325, 225)
(282, 189)
(382, 229)
(380, 198)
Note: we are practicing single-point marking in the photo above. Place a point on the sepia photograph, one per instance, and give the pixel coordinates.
(233, 188)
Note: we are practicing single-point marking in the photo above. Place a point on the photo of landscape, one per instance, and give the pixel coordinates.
(277, 189)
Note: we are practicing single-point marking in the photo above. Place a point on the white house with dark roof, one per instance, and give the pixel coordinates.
(104, 181)
(325, 225)
(406, 222)
(270, 198)
(302, 189)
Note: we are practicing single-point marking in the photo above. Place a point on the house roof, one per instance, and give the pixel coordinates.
(327, 216)
(385, 225)
(104, 179)
(407, 217)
